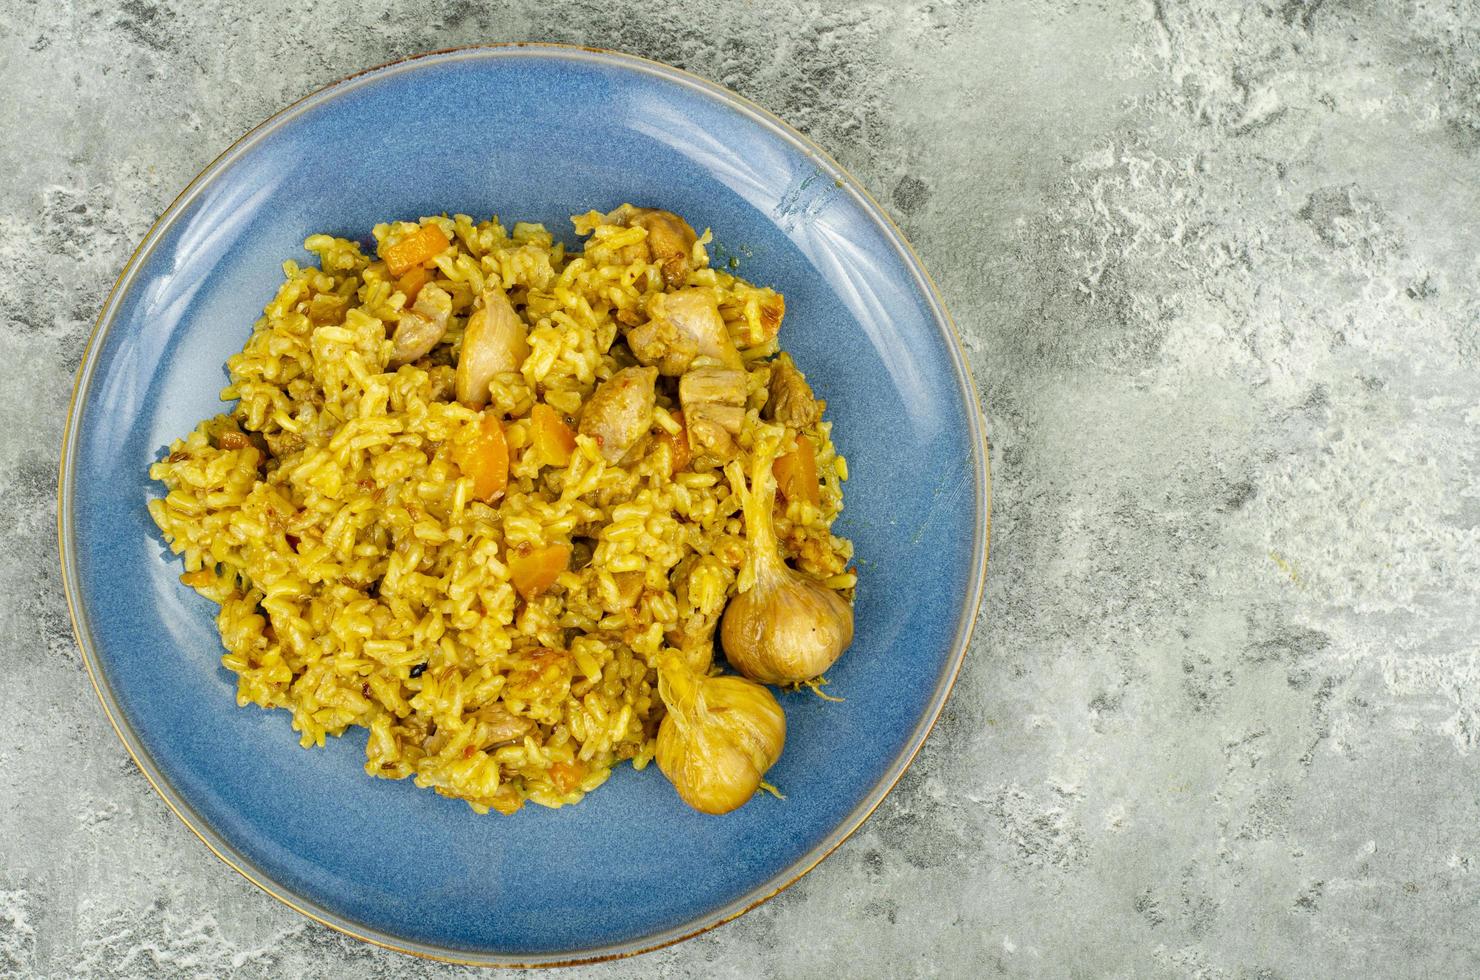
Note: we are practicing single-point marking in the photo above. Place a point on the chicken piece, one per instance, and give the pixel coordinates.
(713, 402)
(682, 326)
(660, 343)
(670, 241)
(711, 385)
(498, 726)
(790, 400)
(494, 341)
(620, 411)
(422, 326)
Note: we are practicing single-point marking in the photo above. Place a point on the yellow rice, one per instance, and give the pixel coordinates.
(360, 582)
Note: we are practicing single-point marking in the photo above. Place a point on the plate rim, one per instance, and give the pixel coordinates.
(754, 897)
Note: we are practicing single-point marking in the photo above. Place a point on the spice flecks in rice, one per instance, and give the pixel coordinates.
(361, 581)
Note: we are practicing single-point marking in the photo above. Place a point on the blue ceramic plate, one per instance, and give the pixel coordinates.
(531, 133)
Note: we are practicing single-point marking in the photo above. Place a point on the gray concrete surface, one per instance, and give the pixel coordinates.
(1215, 264)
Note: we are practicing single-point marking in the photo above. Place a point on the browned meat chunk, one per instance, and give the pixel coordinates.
(422, 325)
(681, 322)
(662, 344)
(713, 402)
(620, 411)
(670, 240)
(790, 400)
(498, 726)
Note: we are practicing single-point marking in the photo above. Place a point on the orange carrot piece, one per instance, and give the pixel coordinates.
(552, 438)
(678, 445)
(483, 457)
(410, 284)
(567, 775)
(537, 569)
(422, 245)
(796, 473)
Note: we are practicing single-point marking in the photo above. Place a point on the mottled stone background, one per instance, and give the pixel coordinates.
(1214, 262)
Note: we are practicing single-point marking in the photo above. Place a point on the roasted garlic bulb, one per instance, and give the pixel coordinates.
(783, 627)
(719, 737)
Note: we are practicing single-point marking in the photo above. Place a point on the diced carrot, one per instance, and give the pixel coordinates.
(537, 569)
(422, 245)
(551, 437)
(567, 775)
(483, 457)
(410, 284)
(796, 472)
(678, 445)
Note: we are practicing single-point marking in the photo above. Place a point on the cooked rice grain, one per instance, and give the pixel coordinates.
(362, 583)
